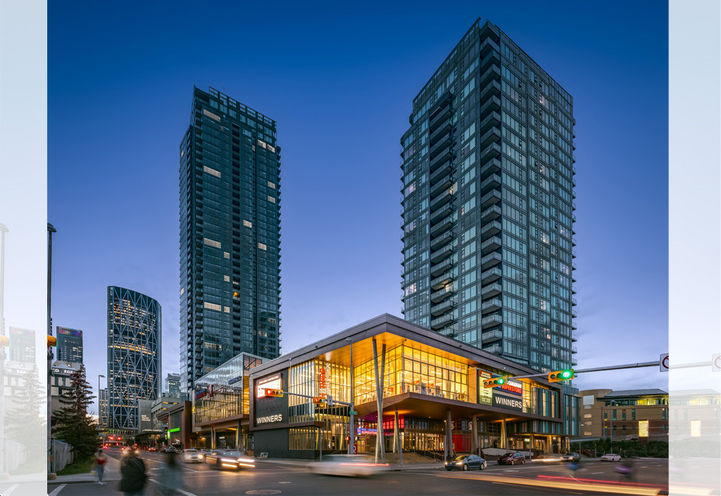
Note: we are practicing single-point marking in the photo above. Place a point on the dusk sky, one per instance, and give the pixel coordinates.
(339, 79)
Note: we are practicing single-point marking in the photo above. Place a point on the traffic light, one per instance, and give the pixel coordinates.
(276, 393)
(52, 341)
(495, 382)
(320, 402)
(4, 341)
(561, 375)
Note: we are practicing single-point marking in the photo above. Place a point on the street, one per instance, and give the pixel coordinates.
(272, 477)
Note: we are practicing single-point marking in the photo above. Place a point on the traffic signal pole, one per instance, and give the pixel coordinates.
(595, 369)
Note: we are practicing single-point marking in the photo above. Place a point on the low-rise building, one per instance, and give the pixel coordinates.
(61, 381)
(432, 393)
(624, 415)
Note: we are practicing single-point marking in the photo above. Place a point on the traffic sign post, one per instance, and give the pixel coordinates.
(716, 362)
(663, 362)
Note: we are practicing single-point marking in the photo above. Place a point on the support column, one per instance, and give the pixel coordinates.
(237, 436)
(474, 435)
(399, 440)
(395, 432)
(212, 437)
(380, 448)
(448, 445)
(504, 437)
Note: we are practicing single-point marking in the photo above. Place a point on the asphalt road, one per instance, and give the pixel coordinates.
(270, 478)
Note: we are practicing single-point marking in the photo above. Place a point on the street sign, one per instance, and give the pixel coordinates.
(716, 362)
(353, 412)
(663, 362)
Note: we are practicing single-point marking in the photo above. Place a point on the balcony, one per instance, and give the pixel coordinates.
(489, 46)
(491, 58)
(490, 275)
(490, 245)
(441, 294)
(491, 120)
(574, 349)
(438, 115)
(495, 348)
(441, 281)
(440, 200)
(441, 213)
(437, 161)
(441, 321)
(441, 308)
(491, 89)
(441, 254)
(491, 151)
(492, 213)
(493, 103)
(490, 198)
(441, 227)
(490, 229)
(491, 74)
(440, 176)
(490, 336)
(491, 182)
(491, 136)
(437, 269)
(441, 240)
(490, 260)
(443, 141)
(491, 167)
(574, 302)
(491, 305)
(440, 132)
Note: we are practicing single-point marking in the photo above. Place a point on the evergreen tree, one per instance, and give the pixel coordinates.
(72, 423)
(25, 412)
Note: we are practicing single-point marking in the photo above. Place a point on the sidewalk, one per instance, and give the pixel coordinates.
(112, 473)
(392, 466)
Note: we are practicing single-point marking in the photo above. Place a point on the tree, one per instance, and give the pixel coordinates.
(72, 423)
(24, 413)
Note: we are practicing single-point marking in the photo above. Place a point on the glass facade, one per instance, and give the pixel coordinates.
(134, 367)
(488, 204)
(229, 397)
(229, 235)
(69, 345)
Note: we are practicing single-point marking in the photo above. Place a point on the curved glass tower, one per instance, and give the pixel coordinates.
(134, 367)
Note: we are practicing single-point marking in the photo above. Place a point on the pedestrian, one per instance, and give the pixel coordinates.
(100, 460)
(132, 473)
(170, 478)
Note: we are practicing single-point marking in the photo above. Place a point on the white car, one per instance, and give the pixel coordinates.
(348, 466)
(611, 457)
(192, 456)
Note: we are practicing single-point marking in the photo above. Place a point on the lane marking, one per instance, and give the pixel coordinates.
(57, 490)
(179, 491)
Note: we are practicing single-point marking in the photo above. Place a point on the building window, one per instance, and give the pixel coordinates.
(211, 171)
(212, 306)
(271, 185)
(247, 223)
(271, 199)
(211, 242)
(226, 254)
(262, 246)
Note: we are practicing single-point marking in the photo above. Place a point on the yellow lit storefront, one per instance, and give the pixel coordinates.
(433, 398)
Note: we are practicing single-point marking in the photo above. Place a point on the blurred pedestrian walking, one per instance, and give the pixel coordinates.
(170, 478)
(133, 476)
(100, 461)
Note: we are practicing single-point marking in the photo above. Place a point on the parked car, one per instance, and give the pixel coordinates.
(512, 459)
(348, 466)
(192, 456)
(611, 457)
(466, 462)
(229, 459)
(571, 457)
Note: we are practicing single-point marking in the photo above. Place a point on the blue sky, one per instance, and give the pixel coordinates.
(339, 80)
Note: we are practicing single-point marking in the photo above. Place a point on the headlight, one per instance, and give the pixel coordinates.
(459, 463)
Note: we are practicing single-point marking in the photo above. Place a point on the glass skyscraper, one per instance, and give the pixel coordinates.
(69, 345)
(488, 204)
(134, 366)
(229, 235)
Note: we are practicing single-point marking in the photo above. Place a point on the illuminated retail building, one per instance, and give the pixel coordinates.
(134, 343)
(432, 394)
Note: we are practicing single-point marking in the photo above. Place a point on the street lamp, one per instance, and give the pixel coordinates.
(51, 230)
(99, 405)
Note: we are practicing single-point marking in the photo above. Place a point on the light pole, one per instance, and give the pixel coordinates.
(100, 409)
(351, 420)
(51, 230)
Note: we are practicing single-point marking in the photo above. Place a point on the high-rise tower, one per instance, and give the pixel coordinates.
(229, 235)
(488, 203)
(134, 366)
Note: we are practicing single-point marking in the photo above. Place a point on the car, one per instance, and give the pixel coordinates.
(236, 460)
(571, 457)
(548, 458)
(192, 456)
(126, 451)
(611, 457)
(512, 459)
(466, 462)
(347, 466)
(152, 449)
(170, 449)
